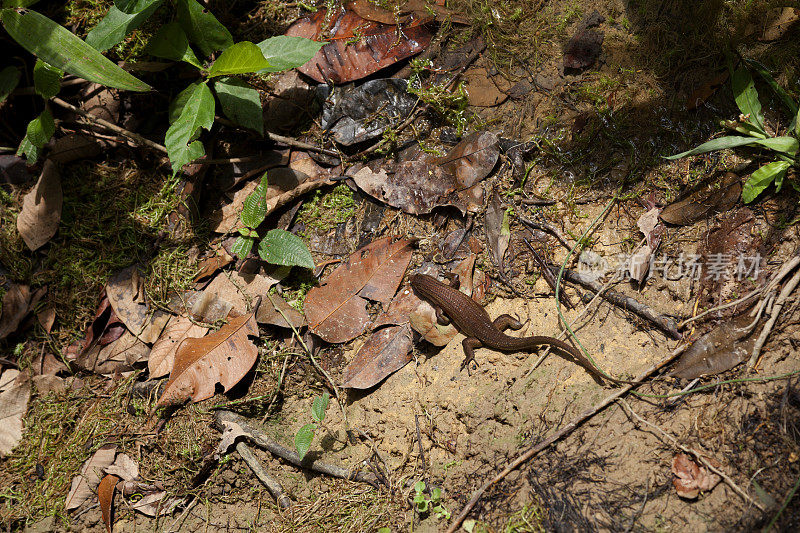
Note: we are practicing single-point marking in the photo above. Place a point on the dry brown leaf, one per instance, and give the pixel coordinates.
(105, 495)
(269, 312)
(399, 310)
(237, 289)
(224, 356)
(46, 318)
(38, 220)
(337, 310)
(781, 20)
(15, 391)
(73, 147)
(16, 304)
(691, 478)
(483, 90)
(45, 384)
(124, 467)
(358, 47)
(210, 265)
(118, 356)
(162, 356)
(497, 237)
(125, 292)
(725, 346)
(385, 352)
(84, 484)
(712, 196)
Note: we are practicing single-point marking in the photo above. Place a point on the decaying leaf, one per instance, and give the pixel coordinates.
(268, 313)
(17, 303)
(118, 356)
(583, 48)
(211, 265)
(385, 352)
(497, 232)
(85, 483)
(125, 291)
(15, 391)
(484, 90)
(124, 468)
(38, 220)
(105, 495)
(713, 196)
(357, 47)
(224, 357)
(420, 185)
(46, 318)
(691, 478)
(337, 311)
(721, 349)
(162, 356)
(73, 147)
(779, 21)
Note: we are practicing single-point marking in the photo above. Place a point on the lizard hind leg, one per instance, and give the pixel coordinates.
(504, 322)
(469, 344)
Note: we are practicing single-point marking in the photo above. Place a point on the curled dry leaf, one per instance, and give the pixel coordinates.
(337, 311)
(118, 356)
(125, 291)
(105, 495)
(691, 478)
(224, 356)
(385, 352)
(162, 356)
(418, 186)
(17, 303)
(269, 312)
(357, 47)
(124, 467)
(85, 483)
(497, 232)
(15, 391)
(38, 220)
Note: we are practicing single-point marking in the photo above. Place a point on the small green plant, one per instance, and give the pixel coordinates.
(425, 505)
(304, 436)
(451, 105)
(751, 124)
(278, 246)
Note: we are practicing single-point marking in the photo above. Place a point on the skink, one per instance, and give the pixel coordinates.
(474, 322)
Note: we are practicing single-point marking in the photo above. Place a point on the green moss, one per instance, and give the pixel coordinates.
(325, 210)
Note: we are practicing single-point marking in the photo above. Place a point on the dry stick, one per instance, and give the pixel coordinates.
(700, 457)
(566, 430)
(286, 454)
(113, 127)
(548, 228)
(272, 484)
(776, 310)
(664, 323)
(288, 141)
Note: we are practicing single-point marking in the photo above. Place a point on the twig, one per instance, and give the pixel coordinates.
(776, 310)
(698, 455)
(548, 228)
(662, 322)
(113, 127)
(743, 299)
(183, 515)
(566, 430)
(286, 454)
(548, 276)
(272, 484)
(288, 141)
(297, 192)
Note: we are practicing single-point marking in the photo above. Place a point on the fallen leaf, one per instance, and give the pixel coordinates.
(124, 467)
(497, 232)
(46, 318)
(74, 146)
(162, 356)
(104, 329)
(585, 45)
(268, 313)
(357, 47)
(125, 292)
(16, 305)
(399, 309)
(210, 265)
(45, 384)
(712, 196)
(385, 352)
(14, 170)
(153, 504)
(725, 346)
(224, 356)
(304, 164)
(691, 478)
(15, 391)
(38, 220)
(779, 21)
(238, 289)
(483, 90)
(116, 357)
(337, 310)
(105, 495)
(84, 484)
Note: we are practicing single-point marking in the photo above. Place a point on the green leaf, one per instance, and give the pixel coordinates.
(131, 6)
(797, 125)
(113, 28)
(60, 48)
(9, 78)
(787, 145)
(782, 94)
(254, 210)
(761, 178)
(202, 28)
(284, 52)
(716, 144)
(18, 3)
(46, 79)
(240, 103)
(196, 112)
(744, 90)
(239, 58)
(39, 131)
(242, 246)
(743, 127)
(280, 247)
(319, 406)
(303, 438)
(171, 42)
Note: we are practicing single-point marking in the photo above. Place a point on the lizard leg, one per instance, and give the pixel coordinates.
(455, 280)
(504, 322)
(469, 344)
(441, 318)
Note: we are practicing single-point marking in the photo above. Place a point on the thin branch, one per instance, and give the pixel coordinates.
(776, 311)
(561, 433)
(698, 455)
(288, 141)
(272, 484)
(113, 127)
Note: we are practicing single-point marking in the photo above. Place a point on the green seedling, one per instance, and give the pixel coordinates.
(304, 436)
